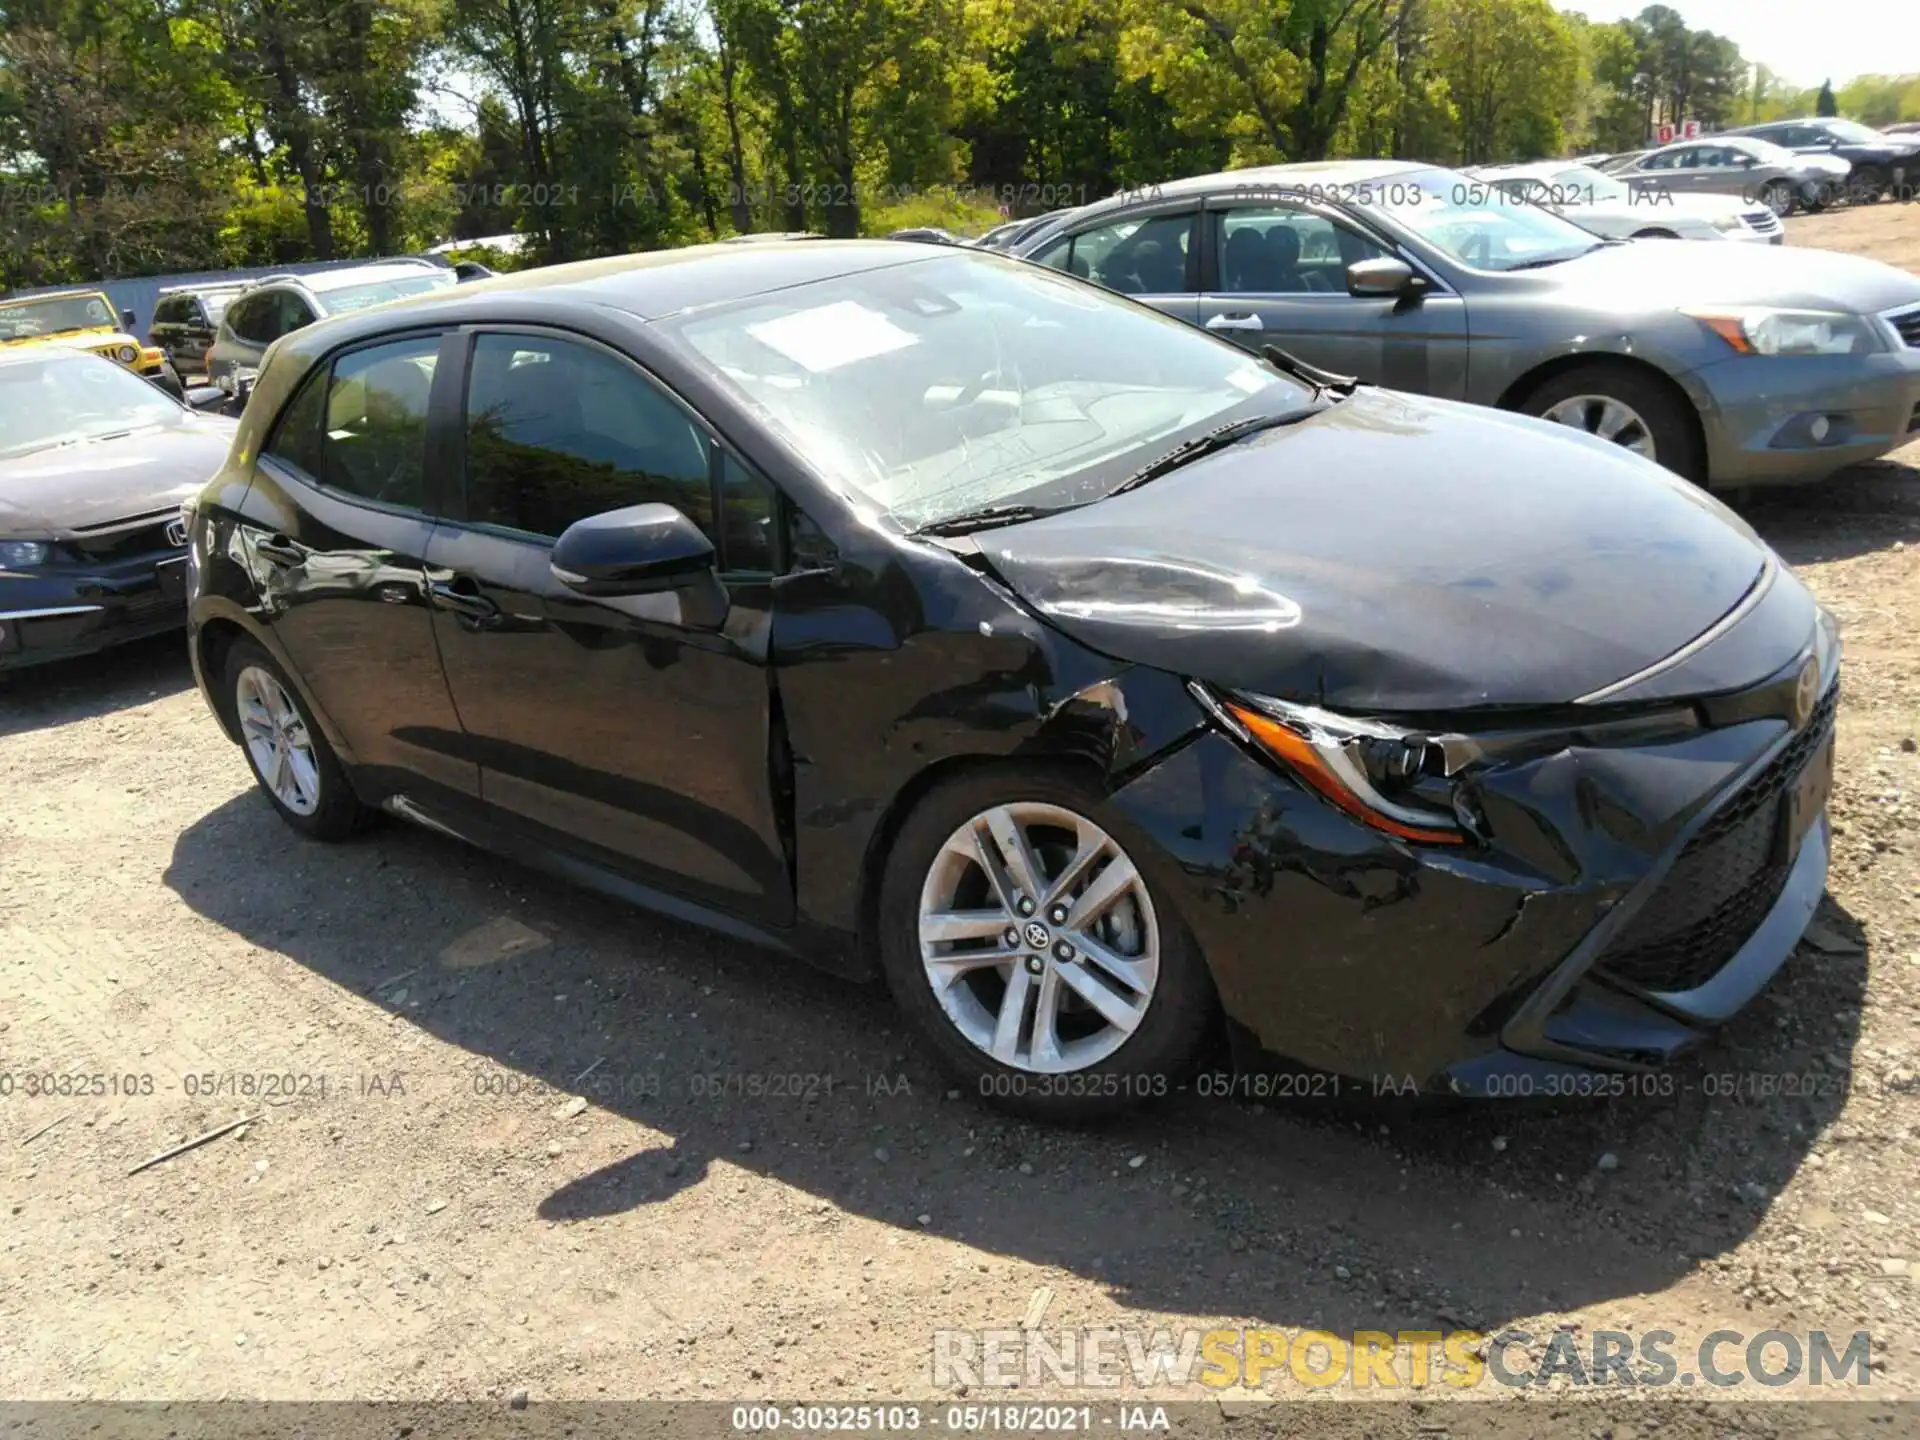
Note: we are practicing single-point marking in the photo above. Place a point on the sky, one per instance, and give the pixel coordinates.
(1801, 41)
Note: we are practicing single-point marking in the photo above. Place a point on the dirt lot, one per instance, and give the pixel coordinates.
(443, 1221)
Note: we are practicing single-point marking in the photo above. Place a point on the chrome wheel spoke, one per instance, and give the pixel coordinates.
(1134, 975)
(1016, 859)
(1116, 1009)
(1092, 845)
(1043, 1049)
(1110, 885)
(945, 969)
(1012, 1019)
(277, 740)
(963, 925)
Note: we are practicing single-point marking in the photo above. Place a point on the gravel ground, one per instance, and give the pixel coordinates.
(554, 1155)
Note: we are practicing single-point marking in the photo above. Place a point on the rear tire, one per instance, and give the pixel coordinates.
(1020, 1033)
(1660, 415)
(289, 756)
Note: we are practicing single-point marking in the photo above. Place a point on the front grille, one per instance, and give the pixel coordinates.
(1765, 221)
(146, 605)
(1723, 884)
(1908, 325)
(105, 544)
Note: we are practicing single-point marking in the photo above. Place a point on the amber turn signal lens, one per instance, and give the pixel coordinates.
(1298, 754)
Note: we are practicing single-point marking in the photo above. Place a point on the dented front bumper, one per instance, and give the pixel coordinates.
(1627, 902)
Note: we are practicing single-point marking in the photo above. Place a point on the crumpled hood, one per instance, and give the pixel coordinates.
(1658, 277)
(1394, 553)
(50, 494)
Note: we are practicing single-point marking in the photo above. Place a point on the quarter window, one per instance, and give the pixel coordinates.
(557, 431)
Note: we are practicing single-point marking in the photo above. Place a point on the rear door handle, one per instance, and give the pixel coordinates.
(280, 550)
(467, 605)
(1234, 322)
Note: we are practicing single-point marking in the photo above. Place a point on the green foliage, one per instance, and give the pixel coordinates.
(153, 135)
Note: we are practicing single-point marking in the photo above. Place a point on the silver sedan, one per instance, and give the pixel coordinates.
(1735, 365)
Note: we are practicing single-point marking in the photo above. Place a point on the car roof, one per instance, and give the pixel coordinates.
(203, 287)
(659, 283)
(1532, 169)
(1303, 174)
(321, 281)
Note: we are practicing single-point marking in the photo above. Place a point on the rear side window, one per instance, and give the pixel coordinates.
(1135, 257)
(361, 427)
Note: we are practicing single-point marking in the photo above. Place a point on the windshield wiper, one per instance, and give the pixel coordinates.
(1190, 450)
(969, 521)
(1319, 379)
(1546, 260)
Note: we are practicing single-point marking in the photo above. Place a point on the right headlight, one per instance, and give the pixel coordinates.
(1765, 330)
(1384, 776)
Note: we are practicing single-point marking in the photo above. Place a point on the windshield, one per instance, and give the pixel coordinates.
(1584, 185)
(1852, 131)
(58, 399)
(1765, 151)
(1481, 223)
(22, 319)
(215, 303)
(378, 292)
(940, 388)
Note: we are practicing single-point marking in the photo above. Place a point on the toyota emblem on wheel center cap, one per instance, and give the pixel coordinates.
(1037, 935)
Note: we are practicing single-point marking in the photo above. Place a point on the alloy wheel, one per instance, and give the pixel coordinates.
(1606, 417)
(1038, 937)
(277, 740)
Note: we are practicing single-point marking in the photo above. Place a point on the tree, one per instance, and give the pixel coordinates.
(1511, 68)
(1825, 105)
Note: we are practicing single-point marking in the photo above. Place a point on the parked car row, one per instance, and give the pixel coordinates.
(1066, 636)
(1731, 365)
(1785, 164)
(84, 320)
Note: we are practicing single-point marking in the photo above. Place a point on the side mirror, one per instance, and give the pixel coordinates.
(205, 397)
(128, 320)
(1383, 278)
(1747, 162)
(640, 550)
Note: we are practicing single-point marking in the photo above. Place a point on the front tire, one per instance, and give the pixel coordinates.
(1620, 404)
(1023, 934)
(286, 751)
(1777, 196)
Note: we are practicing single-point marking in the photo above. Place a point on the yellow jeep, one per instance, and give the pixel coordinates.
(84, 320)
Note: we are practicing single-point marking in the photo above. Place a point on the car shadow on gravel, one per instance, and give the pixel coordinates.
(63, 691)
(1863, 509)
(1372, 1216)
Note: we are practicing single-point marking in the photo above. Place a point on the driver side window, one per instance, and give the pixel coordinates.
(1280, 250)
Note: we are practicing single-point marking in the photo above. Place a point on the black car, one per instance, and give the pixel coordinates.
(185, 320)
(94, 464)
(1881, 162)
(930, 615)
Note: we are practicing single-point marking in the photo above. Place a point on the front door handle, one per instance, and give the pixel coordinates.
(1234, 322)
(280, 550)
(469, 607)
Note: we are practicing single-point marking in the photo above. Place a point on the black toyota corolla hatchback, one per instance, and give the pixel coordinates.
(1102, 686)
